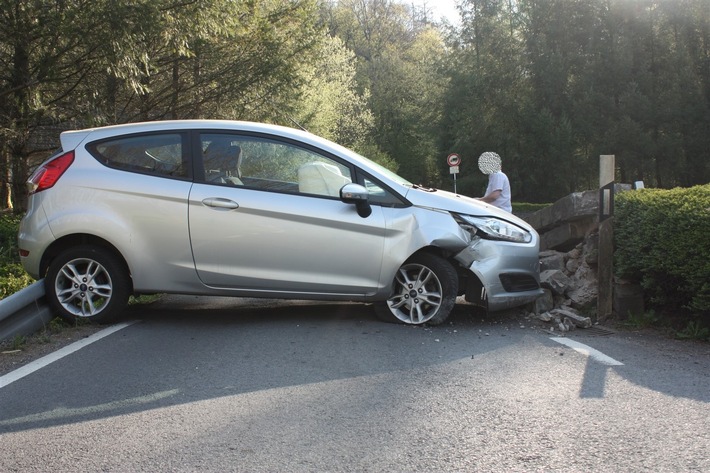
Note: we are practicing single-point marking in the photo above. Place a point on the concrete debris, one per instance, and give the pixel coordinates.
(570, 317)
(555, 280)
(552, 260)
(569, 244)
(570, 287)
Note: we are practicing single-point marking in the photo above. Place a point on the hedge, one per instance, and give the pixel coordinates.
(662, 241)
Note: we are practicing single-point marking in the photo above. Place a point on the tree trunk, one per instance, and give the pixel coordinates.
(19, 122)
(18, 190)
(5, 175)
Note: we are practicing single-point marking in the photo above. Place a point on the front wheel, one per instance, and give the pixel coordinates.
(424, 292)
(87, 283)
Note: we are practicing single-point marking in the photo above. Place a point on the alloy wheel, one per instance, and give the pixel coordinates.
(83, 287)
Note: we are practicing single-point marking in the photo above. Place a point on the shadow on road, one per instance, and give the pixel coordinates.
(186, 349)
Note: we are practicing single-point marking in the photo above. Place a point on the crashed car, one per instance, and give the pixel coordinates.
(229, 208)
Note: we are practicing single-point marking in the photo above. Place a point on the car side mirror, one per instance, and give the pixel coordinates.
(358, 195)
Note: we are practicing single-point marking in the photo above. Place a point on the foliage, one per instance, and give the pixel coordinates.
(661, 242)
(551, 85)
(12, 279)
(399, 59)
(694, 331)
(18, 342)
(525, 207)
(12, 276)
(84, 63)
(330, 104)
(642, 320)
(9, 226)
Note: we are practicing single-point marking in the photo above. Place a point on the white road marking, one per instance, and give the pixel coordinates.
(59, 354)
(588, 351)
(63, 412)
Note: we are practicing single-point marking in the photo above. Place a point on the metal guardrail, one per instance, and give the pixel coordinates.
(24, 312)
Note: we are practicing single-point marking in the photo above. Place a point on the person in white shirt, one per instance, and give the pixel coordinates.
(498, 190)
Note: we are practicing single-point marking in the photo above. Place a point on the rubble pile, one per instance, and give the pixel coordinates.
(569, 281)
(569, 244)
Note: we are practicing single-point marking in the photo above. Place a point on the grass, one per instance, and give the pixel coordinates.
(694, 331)
(18, 342)
(644, 320)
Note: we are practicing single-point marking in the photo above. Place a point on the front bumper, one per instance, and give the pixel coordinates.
(507, 274)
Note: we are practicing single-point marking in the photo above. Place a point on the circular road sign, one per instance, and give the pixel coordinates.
(453, 159)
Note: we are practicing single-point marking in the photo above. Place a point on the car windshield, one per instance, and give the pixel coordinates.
(395, 177)
(383, 170)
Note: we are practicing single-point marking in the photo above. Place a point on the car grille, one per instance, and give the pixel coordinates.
(518, 282)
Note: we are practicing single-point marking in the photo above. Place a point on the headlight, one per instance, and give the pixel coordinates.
(494, 228)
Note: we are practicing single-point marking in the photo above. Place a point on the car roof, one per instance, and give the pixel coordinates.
(72, 138)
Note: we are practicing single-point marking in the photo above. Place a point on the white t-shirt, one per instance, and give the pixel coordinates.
(499, 181)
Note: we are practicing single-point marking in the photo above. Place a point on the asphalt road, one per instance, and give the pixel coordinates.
(199, 385)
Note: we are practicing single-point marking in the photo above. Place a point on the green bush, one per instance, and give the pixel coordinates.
(9, 225)
(526, 207)
(12, 276)
(662, 241)
(12, 279)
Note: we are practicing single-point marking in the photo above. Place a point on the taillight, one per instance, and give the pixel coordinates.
(49, 173)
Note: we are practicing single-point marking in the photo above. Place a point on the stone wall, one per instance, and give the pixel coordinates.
(569, 242)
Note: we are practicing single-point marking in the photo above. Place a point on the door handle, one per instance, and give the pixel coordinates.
(220, 203)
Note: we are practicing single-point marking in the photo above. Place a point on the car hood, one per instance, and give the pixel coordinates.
(450, 202)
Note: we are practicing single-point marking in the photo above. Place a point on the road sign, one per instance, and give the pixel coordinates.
(454, 170)
(453, 160)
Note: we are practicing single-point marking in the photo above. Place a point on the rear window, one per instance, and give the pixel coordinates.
(160, 154)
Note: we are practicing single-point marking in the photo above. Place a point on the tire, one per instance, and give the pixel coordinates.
(87, 283)
(424, 292)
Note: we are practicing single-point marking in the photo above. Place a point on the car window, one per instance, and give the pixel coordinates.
(221, 159)
(160, 154)
(270, 165)
(380, 195)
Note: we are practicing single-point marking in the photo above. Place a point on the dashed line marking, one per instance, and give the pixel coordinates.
(588, 351)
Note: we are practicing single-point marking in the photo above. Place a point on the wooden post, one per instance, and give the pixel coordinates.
(605, 260)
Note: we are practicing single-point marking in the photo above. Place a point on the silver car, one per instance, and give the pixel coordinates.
(246, 209)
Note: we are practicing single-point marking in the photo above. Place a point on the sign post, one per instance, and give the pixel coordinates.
(605, 266)
(453, 160)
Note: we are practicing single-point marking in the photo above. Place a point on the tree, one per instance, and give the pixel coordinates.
(217, 59)
(43, 60)
(554, 84)
(81, 63)
(399, 63)
(330, 105)
(484, 109)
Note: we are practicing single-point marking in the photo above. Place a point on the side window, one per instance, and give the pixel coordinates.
(221, 159)
(271, 165)
(380, 195)
(160, 154)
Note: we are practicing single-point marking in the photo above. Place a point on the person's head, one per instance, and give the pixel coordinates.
(489, 162)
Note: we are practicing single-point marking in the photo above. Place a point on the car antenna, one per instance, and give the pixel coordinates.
(286, 115)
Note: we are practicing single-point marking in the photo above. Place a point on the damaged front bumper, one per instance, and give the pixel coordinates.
(506, 274)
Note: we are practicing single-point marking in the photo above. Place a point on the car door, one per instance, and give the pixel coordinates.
(267, 218)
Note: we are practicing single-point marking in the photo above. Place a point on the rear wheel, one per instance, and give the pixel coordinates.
(424, 292)
(87, 283)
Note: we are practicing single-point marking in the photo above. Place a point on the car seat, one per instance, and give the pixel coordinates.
(222, 162)
(321, 178)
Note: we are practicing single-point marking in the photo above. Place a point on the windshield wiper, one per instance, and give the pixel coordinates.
(424, 188)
